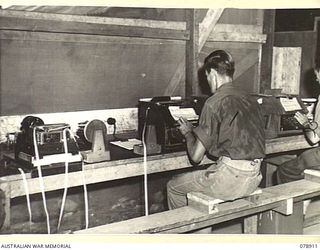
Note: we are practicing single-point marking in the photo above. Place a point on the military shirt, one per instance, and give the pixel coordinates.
(231, 125)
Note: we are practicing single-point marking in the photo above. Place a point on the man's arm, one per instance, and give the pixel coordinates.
(195, 148)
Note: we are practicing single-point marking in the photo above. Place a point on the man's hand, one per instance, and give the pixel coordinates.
(302, 119)
(185, 126)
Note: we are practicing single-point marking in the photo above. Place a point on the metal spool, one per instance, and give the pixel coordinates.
(93, 126)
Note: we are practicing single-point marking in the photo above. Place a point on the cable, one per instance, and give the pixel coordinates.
(65, 145)
(112, 121)
(85, 197)
(25, 183)
(41, 179)
(36, 152)
(145, 165)
(66, 182)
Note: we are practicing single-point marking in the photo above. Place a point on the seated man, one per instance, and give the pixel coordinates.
(310, 159)
(231, 129)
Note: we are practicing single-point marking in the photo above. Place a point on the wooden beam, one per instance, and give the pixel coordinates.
(81, 38)
(136, 22)
(237, 28)
(98, 20)
(237, 37)
(208, 22)
(12, 23)
(192, 53)
(267, 48)
(207, 25)
(208, 47)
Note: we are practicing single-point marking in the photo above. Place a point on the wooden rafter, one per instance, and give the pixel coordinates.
(98, 20)
(205, 29)
(206, 26)
(220, 32)
(55, 26)
(237, 37)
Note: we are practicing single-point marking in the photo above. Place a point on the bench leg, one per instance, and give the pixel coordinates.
(250, 225)
(272, 222)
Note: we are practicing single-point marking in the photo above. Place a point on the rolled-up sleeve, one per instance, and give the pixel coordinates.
(207, 131)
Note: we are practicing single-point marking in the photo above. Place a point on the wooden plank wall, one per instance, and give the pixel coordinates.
(44, 72)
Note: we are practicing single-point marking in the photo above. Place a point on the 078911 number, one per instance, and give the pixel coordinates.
(308, 246)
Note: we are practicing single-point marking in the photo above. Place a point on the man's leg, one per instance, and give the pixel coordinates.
(293, 170)
(180, 185)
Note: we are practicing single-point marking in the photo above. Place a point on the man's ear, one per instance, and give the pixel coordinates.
(213, 73)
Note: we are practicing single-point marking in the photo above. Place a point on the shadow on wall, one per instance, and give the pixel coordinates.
(310, 87)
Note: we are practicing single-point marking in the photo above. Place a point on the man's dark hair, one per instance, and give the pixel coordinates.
(221, 61)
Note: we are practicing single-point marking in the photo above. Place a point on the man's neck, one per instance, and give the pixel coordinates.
(224, 80)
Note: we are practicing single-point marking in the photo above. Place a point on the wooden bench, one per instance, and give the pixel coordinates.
(280, 198)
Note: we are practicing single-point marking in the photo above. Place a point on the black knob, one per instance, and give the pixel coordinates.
(111, 121)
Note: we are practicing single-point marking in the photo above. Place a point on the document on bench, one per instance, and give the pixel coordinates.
(187, 113)
(290, 104)
(126, 144)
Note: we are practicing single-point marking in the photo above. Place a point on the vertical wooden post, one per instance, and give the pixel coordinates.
(317, 47)
(250, 225)
(192, 53)
(266, 59)
(272, 222)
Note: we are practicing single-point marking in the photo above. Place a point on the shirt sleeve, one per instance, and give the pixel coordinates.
(207, 130)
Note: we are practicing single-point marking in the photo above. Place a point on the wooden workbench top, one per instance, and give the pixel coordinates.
(113, 170)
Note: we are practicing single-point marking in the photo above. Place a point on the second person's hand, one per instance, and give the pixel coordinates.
(302, 119)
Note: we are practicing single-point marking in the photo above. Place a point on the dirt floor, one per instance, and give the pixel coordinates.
(108, 202)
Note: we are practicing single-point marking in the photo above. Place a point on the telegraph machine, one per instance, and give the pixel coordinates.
(158, 121)
(278, 112)
(46, 145)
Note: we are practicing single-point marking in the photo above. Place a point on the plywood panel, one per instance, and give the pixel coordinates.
(307, 41)
(241, 16)
(57, 76)
(286, 66)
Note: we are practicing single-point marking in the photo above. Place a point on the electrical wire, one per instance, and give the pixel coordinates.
(25, 184)
(86, 201)
(65, 145)
(66, 181)
(41, 178)
(146, 203)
